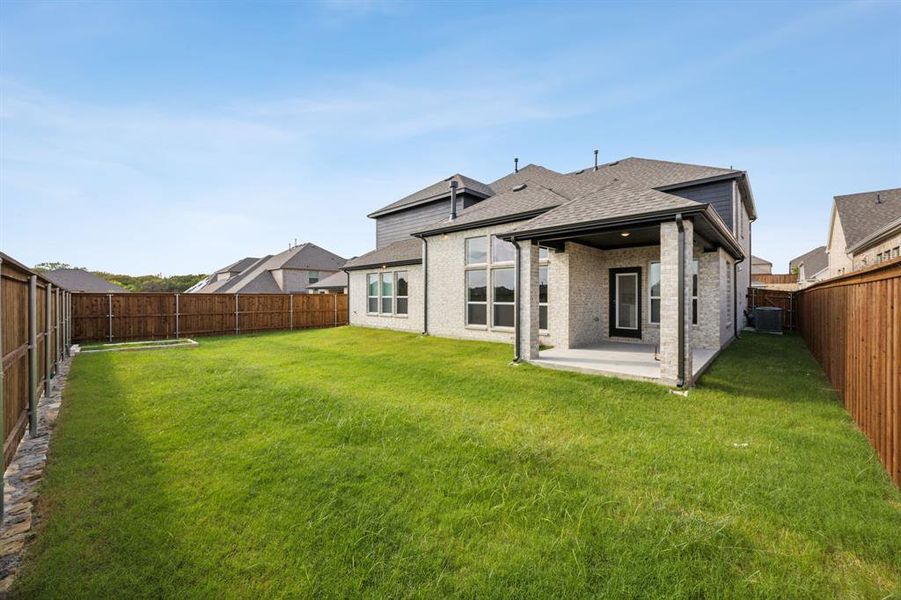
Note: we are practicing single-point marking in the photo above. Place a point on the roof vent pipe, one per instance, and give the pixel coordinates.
(453, 189)
(595, 160)
(516, 165)
(878, 198)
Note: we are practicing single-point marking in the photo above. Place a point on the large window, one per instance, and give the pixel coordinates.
(476, 297)
(400, 288)
(654, 292)
(372, 293)
(313, 277)
(503, 287)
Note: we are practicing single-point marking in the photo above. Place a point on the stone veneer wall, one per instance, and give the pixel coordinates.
(412, 322)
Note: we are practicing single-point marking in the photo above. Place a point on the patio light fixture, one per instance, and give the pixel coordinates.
(625, 234)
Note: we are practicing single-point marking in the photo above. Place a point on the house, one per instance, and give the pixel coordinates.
(336, 283)
(864, 229)
(79, 280)
(811, 266)
(291, 271)
(636, 267)
(761, 266)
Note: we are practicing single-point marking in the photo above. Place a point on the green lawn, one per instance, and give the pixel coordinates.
(351, 462)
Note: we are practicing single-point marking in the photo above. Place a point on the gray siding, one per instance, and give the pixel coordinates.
(717, 194)
(397, 226)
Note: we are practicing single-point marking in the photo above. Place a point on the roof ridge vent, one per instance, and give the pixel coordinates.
(519, 188)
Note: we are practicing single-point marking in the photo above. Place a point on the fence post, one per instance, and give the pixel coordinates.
(68, 337)
(47, 333)
(176, 316)
(291, 311)
(109, 298)
(32, 355)
(335, 296)
(237, 328)
(59, 329)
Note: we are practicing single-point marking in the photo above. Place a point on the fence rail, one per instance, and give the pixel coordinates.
(775, 278)
(149, 316)
(34, 338)
(852, 325)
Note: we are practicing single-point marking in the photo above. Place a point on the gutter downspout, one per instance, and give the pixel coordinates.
(516, 323)
(680, 375)
(425, 286)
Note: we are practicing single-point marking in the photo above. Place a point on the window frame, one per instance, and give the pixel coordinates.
(467, 302)
(544, 263)
(369, 296)
(311, 279)
(492, 271)
(397, 296)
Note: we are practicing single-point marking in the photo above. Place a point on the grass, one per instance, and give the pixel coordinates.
(352, 462)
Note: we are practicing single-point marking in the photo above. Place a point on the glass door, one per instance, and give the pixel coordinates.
(625, 302)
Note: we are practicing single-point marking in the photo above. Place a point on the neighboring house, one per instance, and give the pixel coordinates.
(79, 280)
(291, 271)
(811, 266)
(336, 283)
(598, 251)
(760, 266)
(865, 229)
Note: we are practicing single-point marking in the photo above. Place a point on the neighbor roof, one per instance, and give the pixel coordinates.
(333, 281)
(238, 266)
(814, 261)
(861, 215)
(756, 260)
(79, 280)
(437, 191)
(407, 251)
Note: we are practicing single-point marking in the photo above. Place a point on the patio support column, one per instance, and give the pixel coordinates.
(527, 301)
(675, 247)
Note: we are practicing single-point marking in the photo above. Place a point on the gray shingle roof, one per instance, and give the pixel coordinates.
(238, 266)
(405, 251)
(814, 261)
(257, 276)
(756, 260)
(436, 191)
(519, 200)
(615, 199)
(333, 281)
(861, 215)
(79, 280)
(635, 173)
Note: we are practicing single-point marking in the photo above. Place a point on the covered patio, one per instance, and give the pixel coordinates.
(619, 359)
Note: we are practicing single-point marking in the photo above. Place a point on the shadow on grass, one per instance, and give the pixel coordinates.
(103, 475)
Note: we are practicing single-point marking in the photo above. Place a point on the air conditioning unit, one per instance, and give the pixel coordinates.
(768, 319)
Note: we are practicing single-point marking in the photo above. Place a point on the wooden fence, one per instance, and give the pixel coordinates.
(34, 335)
(852, 325)
(126, 317)
(775, 278)
(774, 298)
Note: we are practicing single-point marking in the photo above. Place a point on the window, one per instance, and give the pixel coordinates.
(400, 288)
(502, 251)
(477, 251)
(476, 297)
(896, 251)
(542, 297)
(372, 292)
(654, 292)
(387, 293)
(543, 253)
(313, 277)
(503, 286)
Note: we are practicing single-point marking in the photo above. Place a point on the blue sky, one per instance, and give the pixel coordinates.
(143, 137)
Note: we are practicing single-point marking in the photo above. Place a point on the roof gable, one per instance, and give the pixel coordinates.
(436, 191)
(865, 213)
